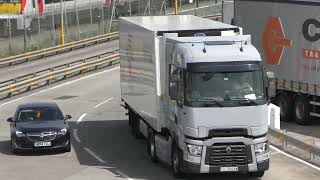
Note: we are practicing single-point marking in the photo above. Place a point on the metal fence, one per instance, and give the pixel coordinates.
(86, 19)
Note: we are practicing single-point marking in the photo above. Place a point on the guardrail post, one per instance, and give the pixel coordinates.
(282, 137)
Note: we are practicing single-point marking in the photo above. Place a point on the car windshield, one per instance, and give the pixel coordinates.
(39, 114)
(225, 86)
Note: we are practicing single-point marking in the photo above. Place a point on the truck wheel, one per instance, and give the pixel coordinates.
(256, 174)
(152, 146)
(302, 110)
(135, 127)
(284, 103)
(176, 162)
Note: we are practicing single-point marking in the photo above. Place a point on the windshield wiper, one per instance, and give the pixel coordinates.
(245, 100)
(208, 100)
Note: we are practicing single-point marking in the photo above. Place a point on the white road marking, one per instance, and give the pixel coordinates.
(103, 102)
(61, 85)
(81, 118)
(94, 155)
(295, 158)
(123, 175)
(75, 135)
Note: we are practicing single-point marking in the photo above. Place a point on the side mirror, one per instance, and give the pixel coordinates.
(10, 119)
(173, 78)
(270, 75)
(173, 91)
(68, 117)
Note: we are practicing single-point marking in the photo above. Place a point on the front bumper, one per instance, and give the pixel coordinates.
(24, 143)
(198, 165)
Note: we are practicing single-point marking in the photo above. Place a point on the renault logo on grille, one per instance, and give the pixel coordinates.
(228, 149)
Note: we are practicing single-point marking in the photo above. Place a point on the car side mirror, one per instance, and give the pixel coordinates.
(10, 119)
(68, 117)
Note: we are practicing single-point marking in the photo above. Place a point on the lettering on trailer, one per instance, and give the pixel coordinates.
(309, 29)
(274, 41)
(23, 4)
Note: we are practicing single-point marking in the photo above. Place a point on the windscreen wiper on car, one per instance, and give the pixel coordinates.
(246, 100)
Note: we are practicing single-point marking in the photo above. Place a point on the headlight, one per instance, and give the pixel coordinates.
(194, 150)
(20, 134)
(262, 147)
(62, 131)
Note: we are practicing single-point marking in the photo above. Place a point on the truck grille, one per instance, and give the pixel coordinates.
(227, 154)
(44, 136)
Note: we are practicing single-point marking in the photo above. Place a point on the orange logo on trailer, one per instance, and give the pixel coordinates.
(274, 41)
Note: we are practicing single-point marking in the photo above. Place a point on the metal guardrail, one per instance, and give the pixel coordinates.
(29, 56)
(46, 77)
(21, 58)
(310, 147)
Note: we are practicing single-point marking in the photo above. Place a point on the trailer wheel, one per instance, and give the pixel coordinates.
(302, 110)
(152, 146)
(284, 102)
(176, 162)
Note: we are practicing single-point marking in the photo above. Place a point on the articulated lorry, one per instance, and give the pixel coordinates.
(195, 89)
(287, 35)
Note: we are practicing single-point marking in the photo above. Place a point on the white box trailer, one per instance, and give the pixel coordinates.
(191, 90)
(287, 35)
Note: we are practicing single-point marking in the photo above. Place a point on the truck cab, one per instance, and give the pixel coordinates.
(218, 101)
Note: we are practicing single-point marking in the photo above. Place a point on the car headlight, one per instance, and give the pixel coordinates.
(194, 150)
(261, 147)
(20, 134)
(62, 131)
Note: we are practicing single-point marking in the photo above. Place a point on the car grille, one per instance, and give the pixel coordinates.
(227, 154)
(44, 136)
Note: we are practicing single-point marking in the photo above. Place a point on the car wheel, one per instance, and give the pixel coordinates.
(176, 162)
(68, 147)
(257, 174)
(14, 150)
(152, 146)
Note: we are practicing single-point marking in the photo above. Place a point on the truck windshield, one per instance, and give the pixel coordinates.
(238, 88)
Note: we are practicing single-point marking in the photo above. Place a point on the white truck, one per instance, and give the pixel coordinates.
(194, 88)
(287, 34)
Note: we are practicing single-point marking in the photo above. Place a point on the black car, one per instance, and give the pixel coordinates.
(39, 126)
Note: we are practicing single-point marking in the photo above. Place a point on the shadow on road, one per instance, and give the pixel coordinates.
(309, 130)
(111, 141)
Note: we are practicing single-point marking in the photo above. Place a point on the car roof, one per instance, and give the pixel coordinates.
(37, 104)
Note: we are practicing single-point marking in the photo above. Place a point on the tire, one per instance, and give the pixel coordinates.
(284, 102)
(135, 127)
(256, 174)
(152, 146)
(176, 162)
(68, 147)
(302, 110)
(14, 150)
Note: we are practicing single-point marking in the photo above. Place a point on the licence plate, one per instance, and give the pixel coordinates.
(42, 144)
(229, 169)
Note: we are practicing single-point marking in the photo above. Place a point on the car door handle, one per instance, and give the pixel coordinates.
(175, 119)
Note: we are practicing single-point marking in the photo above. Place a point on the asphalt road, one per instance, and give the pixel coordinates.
(56, 60)
(102, 147)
